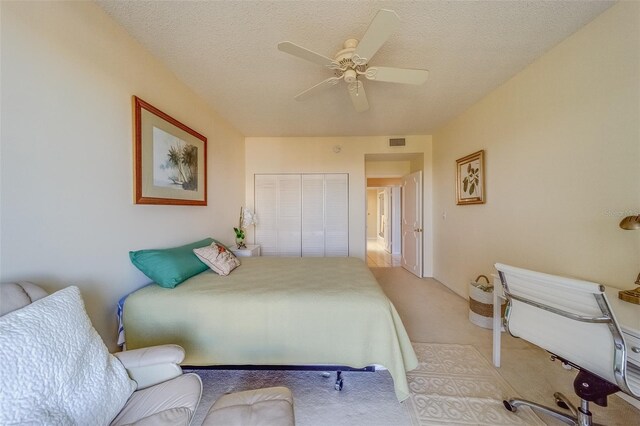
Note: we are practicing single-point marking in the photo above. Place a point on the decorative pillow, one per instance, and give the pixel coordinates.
(218, 258)
(169, 267)
(55, 367)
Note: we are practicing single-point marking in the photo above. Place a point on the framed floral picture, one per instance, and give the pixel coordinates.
(470, 179)
(170, 164)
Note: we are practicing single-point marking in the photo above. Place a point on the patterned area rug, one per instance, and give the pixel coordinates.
(455, 385)
(367, 399)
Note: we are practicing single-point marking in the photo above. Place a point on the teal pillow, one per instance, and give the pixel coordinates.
(169, 267)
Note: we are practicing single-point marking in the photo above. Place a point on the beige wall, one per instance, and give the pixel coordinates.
(382, 169)
(316, 155)
(562, 141)
(68, 74)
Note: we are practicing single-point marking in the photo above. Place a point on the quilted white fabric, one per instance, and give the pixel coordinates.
(55, 369)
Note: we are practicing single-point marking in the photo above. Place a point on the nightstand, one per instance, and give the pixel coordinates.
(250, 251)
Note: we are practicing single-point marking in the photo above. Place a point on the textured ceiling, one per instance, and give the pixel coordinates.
(226, 51)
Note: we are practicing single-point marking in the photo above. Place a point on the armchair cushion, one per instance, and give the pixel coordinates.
(152, 355)
(180, 416)
(146, 405)
(17, 295)
(55, 366)
(152, 365)
(265, 407)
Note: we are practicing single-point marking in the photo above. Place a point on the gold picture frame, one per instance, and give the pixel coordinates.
(470, 183)
(170, 159)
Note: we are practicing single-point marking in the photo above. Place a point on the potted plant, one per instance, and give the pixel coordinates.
(247, 218)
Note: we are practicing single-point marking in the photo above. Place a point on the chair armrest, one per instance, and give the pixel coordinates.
(152, 365)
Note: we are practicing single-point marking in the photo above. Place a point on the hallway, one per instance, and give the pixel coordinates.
(378, 257)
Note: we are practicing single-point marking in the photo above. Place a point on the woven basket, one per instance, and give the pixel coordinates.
(481, 304)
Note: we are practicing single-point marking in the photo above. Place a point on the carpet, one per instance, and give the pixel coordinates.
(367, 398)
(453, 385)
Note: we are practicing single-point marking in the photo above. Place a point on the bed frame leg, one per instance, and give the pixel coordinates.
(339, 381)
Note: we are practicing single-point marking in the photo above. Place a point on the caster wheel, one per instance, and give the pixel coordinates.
(560, 403)
(339, 385)
(508, 406)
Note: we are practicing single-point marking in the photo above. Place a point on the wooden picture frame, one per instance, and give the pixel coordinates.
(170, 159)
(470, 187)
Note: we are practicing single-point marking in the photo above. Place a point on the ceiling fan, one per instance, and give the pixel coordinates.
(352, 62)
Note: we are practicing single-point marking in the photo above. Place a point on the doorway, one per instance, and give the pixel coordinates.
(383, 226)
(384, 207)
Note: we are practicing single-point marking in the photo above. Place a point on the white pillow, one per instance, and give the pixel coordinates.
(55, 367)
(218, 258)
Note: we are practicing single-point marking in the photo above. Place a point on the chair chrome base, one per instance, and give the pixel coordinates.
(578, 417)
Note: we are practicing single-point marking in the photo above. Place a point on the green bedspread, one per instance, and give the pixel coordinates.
(276, 311)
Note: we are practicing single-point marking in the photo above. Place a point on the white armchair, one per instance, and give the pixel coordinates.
(162, 395)
(152, 365)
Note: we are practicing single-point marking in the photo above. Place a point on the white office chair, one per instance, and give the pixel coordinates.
(573, 321)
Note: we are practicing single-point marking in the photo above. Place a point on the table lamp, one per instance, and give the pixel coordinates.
(631, 223)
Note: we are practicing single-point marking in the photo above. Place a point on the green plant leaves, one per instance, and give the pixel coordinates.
(239, 232)
(472, 181)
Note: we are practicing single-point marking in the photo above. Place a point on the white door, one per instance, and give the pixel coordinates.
(302, 214)
(396, 221)
(336, 214)
(388, 218)
(313, 215)
(289, 204)
(278, 199)
(412, 223)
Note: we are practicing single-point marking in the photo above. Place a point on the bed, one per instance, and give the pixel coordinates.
(276, 311)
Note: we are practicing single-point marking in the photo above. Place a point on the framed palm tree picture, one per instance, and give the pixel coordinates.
(170, 164)
(470, 179)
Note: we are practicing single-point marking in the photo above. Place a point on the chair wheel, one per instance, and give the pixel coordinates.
(560, 403)
(509, 407)
(339, 384)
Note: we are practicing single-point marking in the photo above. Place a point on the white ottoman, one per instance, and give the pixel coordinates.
(260, 407)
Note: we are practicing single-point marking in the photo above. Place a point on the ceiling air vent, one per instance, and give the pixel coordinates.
(397, 142)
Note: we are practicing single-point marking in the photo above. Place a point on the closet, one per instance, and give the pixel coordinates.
(302, 214)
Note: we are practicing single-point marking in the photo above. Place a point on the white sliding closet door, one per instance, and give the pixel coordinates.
(312, 215)
(336, 239)
(302, 214)
(278, 205)
(265, 199)
(289, 215)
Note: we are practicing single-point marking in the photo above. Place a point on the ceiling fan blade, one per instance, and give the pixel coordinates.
(397, 75)
(301, 52)
(358, 96)
(380, 29)
(317, 88)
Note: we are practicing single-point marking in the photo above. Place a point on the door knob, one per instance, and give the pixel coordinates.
(418, 229)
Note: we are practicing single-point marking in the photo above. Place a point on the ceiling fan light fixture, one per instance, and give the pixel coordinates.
(350, 76)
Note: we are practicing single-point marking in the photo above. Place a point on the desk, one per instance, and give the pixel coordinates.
(627, 315)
